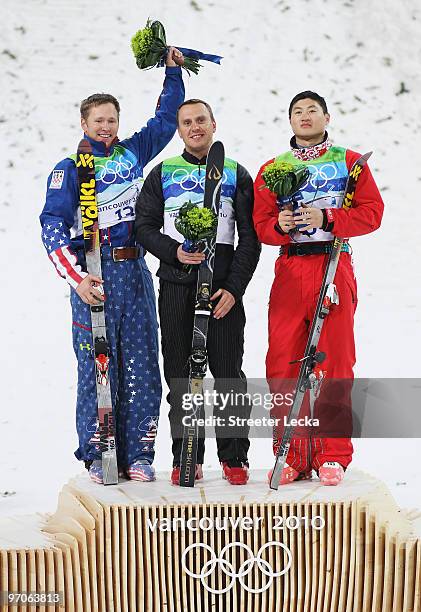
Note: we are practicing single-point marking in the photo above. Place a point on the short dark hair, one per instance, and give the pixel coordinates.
(195, 101)
(96, 100)
(308, 94)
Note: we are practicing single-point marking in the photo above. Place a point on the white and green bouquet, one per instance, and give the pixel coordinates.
(198, 226)
(149, 46)
(285, 179)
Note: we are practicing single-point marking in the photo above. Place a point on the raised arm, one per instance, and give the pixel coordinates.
(159, 130)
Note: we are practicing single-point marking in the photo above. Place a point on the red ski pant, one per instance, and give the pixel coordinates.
(293, 300)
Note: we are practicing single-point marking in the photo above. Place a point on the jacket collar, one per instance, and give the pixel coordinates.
(311, 152)
(99, 149)
(194, 160)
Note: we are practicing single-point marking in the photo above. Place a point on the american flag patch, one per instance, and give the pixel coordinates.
(57, 179)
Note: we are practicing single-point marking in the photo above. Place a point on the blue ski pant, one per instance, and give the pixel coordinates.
(132, 331)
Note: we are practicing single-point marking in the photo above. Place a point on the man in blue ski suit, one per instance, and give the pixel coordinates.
(126, 285)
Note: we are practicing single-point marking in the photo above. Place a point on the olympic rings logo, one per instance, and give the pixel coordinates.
(324, 173)
(113, 169)
(181, 176)
(244, 569)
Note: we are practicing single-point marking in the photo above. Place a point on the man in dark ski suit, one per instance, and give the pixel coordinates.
(168, 186)
(130, 310)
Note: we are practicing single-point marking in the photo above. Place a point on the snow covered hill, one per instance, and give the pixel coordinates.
(362, 56)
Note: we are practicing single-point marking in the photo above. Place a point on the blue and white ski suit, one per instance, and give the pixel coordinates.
(130, 301)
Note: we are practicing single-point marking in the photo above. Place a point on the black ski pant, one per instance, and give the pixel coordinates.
(225, 347)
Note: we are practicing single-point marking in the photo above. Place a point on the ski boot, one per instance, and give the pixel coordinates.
(95, 471)
(141, 470)
(331, 473)
(289, 474)
(235, 472)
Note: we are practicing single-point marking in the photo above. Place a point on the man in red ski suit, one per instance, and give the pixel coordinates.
(305, 236)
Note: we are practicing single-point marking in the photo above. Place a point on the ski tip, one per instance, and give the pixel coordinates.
(367, 155)
(84, 146)
(109, 467)
(110, 482)
(273, 482)
(218, 145)
(110, 477)
(186, 478)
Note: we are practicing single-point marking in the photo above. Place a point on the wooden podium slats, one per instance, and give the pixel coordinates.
(417, 594)
(131, 558)
(122, 550)
(91, 515)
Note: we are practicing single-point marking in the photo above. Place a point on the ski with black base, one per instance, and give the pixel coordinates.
(307, 379)
(202, 311)
(89, 210)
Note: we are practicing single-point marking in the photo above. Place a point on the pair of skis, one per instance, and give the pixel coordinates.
(202, 312)
(89, 210)
(307, 379)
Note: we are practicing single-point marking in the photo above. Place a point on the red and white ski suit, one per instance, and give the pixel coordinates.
(293, 299)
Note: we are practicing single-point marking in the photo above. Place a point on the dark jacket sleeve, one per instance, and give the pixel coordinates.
(247, 253)
(150, 219)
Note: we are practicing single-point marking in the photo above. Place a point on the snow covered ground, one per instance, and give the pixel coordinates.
(362, 56)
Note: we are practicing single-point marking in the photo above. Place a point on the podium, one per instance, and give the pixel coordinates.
(153, 547)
